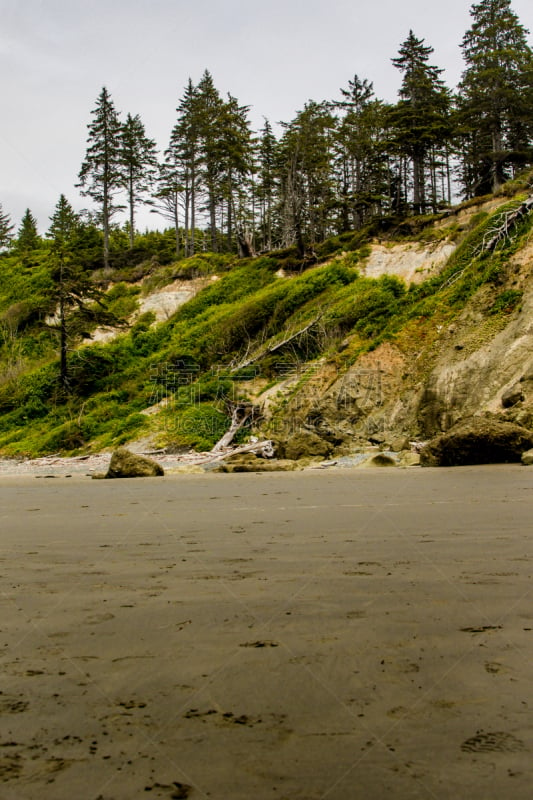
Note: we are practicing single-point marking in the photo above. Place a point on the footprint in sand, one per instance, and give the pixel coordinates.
(480, 629)
(9, 705)
(222, 717)
(493, 742)
(10, 767)
(96, 619)
(179, 791)
(129, 704)
(260, 643)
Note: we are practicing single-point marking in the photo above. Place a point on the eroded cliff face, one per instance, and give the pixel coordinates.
(486, 362)
(413, 262)
(436, 372)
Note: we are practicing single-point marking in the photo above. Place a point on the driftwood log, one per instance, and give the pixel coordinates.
(263, 449)
(242, 414)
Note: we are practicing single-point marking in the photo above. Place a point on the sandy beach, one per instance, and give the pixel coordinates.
(335, 635)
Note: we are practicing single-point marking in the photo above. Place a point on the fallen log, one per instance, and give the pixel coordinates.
(263, 449)
(266, 351)
(506, 224)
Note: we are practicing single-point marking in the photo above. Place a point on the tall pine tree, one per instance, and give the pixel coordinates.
(27, 236)
(180, 173)
(73, 286)
(420, 120)
(495, 99)
(307, 180)
(267, 184)
(139, 165)
(236, 164)
(208, 120)
(360, 155)
(101, 174)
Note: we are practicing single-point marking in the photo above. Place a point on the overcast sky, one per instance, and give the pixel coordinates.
(273, 55)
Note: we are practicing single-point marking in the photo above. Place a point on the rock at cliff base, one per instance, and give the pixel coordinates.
(306, 444)
(477, 441)
(399, 444)
(527, 458)
(512, 396)
(125, 464)
(382, 460)
(408, 459)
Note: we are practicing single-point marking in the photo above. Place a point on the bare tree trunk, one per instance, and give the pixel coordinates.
(131, 201)
(63, 341)
(105, 225)
(240, 416)
(176, 225)
(230, 211)
(448, 176)
(193, 210)
(246, 245)
(497, 146)
(418, 184)
(187, 201)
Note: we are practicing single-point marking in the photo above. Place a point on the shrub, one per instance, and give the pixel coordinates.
(199, 427)
(506, 302)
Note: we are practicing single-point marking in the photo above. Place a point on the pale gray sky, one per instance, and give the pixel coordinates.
(55, 56)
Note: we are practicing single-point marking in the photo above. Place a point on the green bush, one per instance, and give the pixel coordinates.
(198, 427)
(506, 302)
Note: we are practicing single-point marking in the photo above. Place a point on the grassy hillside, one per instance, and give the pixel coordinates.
(239, 335)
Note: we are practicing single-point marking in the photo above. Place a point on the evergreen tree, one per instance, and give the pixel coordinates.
(73, 286)
(101, 174)
(236, 165)
(6, 229)
(168, 197)
(495, 96)
(139, 165)
(360, 154)
(207, 166)
(180, 173)
(208, 122)
(267, 184)
(27, 236)
(62, 232)
(307, 181)
(420, 121)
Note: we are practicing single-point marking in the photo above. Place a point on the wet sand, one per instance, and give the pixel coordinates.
(346, 635)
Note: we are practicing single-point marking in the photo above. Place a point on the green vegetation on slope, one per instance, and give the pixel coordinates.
(189, 365)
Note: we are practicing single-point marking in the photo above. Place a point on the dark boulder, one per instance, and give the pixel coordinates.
(477, 441)
(383, 460)
(125, 464)
(512, 396)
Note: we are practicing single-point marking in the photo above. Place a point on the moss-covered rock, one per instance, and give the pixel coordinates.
(382, 460)
(477, 441)
(125, 464)
(304, 444)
